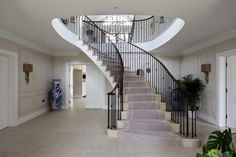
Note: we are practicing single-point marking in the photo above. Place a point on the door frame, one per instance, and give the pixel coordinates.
(67, 81)
(221, 84)
(13, 86)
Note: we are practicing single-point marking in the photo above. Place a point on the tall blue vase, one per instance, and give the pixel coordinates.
(55, 95)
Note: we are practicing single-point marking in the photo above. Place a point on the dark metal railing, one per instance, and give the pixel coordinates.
(120, 54)
(101, 44)
(164, 83)
(135, 31)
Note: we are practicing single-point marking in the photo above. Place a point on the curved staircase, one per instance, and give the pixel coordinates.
(143, 103)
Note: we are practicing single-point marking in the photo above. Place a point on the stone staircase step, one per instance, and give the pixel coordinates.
(143, 105)
(149, 125)
(130, 73)
(142, 97)
(134, 90)
(146, 114)
(132, 78)
(140, 83)
(160, 138)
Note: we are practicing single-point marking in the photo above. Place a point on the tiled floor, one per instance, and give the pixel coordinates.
(79, 102)
(80, 133)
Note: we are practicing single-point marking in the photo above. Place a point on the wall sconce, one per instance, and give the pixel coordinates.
(27, 68)
(206, 68)
(162, 20)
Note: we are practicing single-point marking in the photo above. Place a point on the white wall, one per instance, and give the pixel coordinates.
(172, 63)
(96, 83)
(31, 96)
(190, 64)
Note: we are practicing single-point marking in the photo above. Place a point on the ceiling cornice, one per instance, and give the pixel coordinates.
(12, 37)
(217, 39)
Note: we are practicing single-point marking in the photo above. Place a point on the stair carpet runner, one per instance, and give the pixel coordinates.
(145, 117)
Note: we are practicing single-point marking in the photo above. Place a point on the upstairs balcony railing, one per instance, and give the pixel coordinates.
(137, 30)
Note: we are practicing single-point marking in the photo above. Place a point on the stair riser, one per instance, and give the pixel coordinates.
(146, 115)
(143, 107)
(135, 84)
(142, 98)
(148, 126)
(129, 74)
(138, 91)
(132, 78)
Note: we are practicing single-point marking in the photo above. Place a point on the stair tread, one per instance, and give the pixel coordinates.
(156, 134)
(145, 101)
(138, 87)
(143, 94)
(151, 110)
(148, 120)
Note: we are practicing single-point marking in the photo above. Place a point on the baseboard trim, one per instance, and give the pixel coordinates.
(31, 116)
(207, 118)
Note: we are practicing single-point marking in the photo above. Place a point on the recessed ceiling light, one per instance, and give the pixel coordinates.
(40, 37)
(116, 7)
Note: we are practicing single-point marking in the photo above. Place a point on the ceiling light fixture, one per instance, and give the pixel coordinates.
(116, 7)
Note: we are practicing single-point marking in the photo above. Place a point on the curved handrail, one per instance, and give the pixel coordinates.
(145, 52)
(128, 21)
(119, 55)
(144, 19)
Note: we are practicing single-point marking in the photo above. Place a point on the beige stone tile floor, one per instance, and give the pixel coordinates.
(80, 133)
(79, 102)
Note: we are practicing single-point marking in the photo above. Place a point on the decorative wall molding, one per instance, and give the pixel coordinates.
(31, 116)
(217, 39)
(9, 36)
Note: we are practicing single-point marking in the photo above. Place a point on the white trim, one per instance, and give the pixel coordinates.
(212, 41)
(13, 86)
(65, 53)
(221, 86)
(9, 36)
(67, 80)
(31, 116)
(207, 118)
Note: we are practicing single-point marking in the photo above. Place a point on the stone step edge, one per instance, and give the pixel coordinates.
(157, 98)
(162, 105)
(186, 141)
(174, 126)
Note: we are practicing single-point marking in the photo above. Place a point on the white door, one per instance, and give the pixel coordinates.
(4, 91)
(231, 92)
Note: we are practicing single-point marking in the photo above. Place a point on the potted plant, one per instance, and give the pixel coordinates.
(220, 144)
(191, 89)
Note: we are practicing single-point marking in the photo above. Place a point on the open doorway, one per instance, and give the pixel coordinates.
(78, 86)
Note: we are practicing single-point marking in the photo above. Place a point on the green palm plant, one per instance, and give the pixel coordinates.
(191, 89)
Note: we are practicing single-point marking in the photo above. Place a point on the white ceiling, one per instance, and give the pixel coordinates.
(31, 19)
